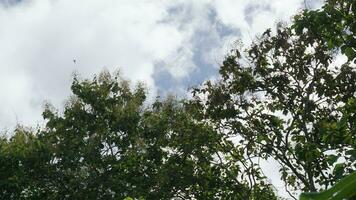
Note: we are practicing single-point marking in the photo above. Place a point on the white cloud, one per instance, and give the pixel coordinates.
(253, 17)
(40, 38)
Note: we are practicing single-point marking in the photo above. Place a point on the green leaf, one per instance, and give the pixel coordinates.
(331, 159)
(339, 170)
(352, 154)
(350, 53)
(344, 189)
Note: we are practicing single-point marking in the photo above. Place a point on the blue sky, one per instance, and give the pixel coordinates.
(170, 45)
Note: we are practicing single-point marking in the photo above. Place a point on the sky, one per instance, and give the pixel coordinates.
(170, 45)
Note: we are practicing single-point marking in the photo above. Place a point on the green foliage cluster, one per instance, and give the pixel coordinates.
(282, 98)
(107, 145)
(287, 99)
(334, 24)
(344, 189)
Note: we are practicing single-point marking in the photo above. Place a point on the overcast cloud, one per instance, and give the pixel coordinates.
(170, 45)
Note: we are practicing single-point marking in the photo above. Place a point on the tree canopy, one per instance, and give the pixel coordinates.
(286, 97)
(107, 145)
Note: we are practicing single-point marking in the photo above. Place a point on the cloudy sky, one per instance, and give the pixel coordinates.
(171, 45)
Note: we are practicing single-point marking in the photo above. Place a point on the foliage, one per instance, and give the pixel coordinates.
(286, 98)
(344, 189)
(23, 166)
(334, 24)
(107, 145)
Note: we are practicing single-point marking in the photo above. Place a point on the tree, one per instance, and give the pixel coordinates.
(24, 166)
(107, 144)
(334, 24)
(344, 189)
(286, 99)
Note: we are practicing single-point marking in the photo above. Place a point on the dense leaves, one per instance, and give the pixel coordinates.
(24, 167)
(334, 24)
(344, 189)
(289, 98)
(107, 145)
